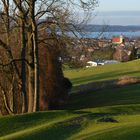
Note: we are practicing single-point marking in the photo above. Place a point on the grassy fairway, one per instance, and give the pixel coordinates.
(110, 114)
(105, 72)
(103, 115)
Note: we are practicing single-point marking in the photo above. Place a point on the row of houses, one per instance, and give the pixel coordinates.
(120, 47)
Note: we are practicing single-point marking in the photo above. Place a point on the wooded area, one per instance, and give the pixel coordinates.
(31, 76)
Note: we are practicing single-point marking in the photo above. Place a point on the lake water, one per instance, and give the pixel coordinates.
(110, 34)
(107, 35)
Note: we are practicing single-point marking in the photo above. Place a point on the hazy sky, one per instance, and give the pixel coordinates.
(119, 5)
(117, 12)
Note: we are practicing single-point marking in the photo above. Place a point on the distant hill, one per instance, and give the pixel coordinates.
(110, 28)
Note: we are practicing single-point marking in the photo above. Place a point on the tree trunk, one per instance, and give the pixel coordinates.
(35, 54)
(30, 75)
(36, 69)
(23, 68)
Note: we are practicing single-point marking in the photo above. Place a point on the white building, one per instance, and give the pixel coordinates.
(91, 64)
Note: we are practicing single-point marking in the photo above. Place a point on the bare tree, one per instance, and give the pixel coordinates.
(25, 18)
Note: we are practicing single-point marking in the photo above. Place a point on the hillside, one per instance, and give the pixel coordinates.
(106, 72)
(101, 115)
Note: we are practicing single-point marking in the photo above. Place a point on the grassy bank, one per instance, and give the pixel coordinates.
(106, 72)
(106, 114)
(103, 115)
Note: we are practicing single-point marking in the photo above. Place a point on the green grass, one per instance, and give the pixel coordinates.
(106, 72)
(109, 114)
(116, 96)
(81, 118)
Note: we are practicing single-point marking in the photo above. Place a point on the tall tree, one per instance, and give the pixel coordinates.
(36, 22)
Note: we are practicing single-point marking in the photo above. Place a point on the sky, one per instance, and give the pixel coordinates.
(117, 12)
(119, 5)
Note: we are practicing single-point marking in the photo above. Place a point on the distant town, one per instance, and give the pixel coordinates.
(88, 52)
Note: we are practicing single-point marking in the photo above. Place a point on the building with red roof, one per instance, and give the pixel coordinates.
(117, 39)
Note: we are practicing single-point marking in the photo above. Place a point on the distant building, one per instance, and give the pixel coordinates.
(102, 43)
(117, 39)
(91, 64)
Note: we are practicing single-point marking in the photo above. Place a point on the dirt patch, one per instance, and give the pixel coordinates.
(125, 80)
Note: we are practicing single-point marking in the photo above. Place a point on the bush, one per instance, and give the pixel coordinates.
(103, 54)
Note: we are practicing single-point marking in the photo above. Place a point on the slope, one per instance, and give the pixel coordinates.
(107, 114)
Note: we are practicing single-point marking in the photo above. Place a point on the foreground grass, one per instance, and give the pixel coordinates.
(106, 72)
(101, 115)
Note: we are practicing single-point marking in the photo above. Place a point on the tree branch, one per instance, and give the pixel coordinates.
(15, 60)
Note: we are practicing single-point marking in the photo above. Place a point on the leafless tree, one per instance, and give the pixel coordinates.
(25, 20)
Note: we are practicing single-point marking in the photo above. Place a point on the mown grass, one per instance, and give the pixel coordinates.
(81, 118)
(117, 96)
(101, 73)
(107, 114)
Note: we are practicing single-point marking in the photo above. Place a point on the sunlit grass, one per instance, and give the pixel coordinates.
(109, 114)
(81, 118)
(106, 72)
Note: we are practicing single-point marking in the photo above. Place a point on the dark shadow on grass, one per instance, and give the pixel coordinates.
(25, 121)
(107, 97)
(60, 131)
